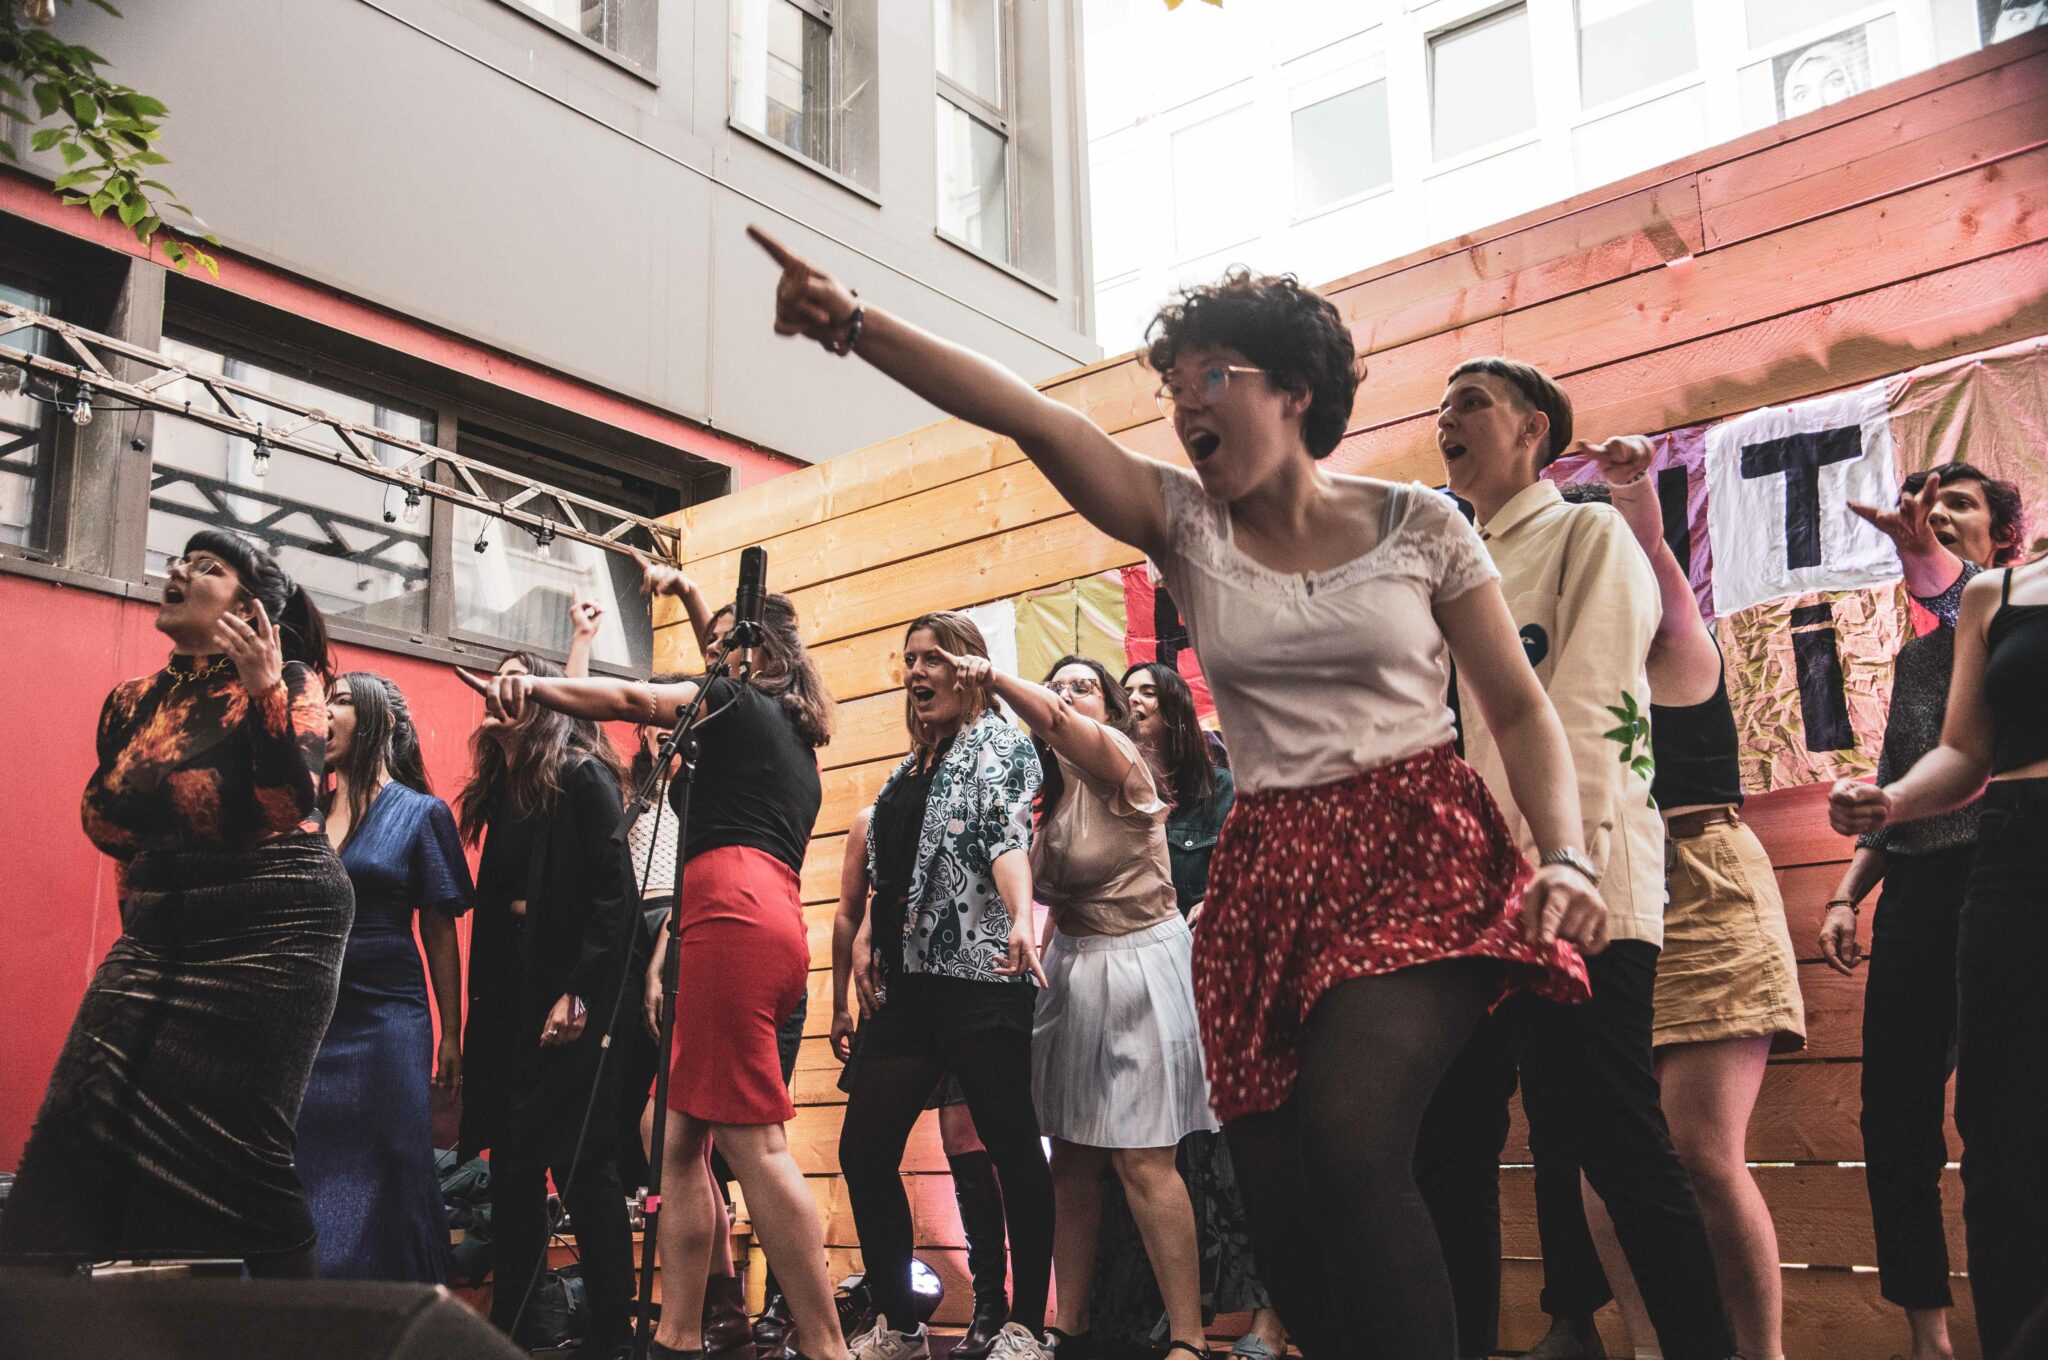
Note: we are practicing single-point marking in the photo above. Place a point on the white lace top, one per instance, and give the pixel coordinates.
(1323, 675)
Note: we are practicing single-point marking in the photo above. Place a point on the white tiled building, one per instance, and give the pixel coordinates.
(1323, 136)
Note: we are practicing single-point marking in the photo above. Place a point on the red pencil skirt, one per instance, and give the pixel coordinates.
(742, 967)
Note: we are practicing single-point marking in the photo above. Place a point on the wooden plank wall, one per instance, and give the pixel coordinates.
(1905, 225)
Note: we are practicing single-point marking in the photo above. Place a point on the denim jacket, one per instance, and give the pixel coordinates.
(979, 810)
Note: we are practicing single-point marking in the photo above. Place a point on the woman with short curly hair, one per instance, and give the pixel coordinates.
(1366, 902)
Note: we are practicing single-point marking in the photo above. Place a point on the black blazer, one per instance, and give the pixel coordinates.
(577, 936)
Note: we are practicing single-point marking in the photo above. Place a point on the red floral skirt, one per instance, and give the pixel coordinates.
(1408, 864)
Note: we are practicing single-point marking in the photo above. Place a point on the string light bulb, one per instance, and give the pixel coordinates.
(41, 13)
(260, 464)
(81, 409)
(412, 505)
(543, 541)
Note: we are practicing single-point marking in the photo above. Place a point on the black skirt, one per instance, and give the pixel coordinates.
(168, 1126)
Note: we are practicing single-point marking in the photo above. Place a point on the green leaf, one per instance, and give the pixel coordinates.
(133, 210)
(174, 251)
(150, 158)
(148, 227)
(73, 200)
(100, 202)
(1617, 733)
(46, 139)
(7, 150)
(108, 8)
(72, 179)
(142, 106)
(10, 89)
(85, 109)
(48, 97)
(1620, 713)
(72, 153)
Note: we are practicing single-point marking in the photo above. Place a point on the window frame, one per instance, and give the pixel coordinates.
(1001, 121)
(1585, 113)
(1296, 103)
(625, 63)
(1439, 163)
(831, 14)
(288, 352)
(47, 495)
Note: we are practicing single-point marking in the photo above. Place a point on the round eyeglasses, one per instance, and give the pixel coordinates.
(1200, 389)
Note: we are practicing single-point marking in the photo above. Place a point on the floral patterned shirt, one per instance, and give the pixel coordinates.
(187, 760)
(978, 811)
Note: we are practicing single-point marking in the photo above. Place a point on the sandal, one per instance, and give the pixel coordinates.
(1190, 1347)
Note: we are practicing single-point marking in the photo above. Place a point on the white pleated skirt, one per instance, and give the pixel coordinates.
(1116, 1052)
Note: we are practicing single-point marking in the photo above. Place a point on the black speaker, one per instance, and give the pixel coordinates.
(42, 1318)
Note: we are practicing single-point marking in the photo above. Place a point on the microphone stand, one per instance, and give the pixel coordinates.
(680, 742)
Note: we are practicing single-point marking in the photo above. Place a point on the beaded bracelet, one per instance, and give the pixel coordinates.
(844, 346)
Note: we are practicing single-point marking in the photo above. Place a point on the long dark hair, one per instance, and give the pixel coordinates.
(528, 771)
(384, 737)
(961, 636)
(1116, 703)
(301, 632)
(1185, 756)
(790, 676)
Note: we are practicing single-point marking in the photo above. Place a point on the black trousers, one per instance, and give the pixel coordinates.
(2002, 1061)
(538, 1138)
(1909, 1037)
(1590, 1093)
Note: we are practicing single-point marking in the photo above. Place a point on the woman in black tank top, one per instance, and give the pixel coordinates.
(1996, 730)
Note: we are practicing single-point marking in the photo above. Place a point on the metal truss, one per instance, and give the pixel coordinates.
(582, 519)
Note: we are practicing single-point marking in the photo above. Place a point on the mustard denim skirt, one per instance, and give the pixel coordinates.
(1727, 970)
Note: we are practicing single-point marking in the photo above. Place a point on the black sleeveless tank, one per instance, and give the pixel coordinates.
(1697, 752)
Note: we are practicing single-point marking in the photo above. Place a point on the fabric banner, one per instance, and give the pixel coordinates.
(998, 623)
(1989, 410)
(1084, 617)
(1810, 681)
(1680, 473)
(1157, 633)
(1779, 483)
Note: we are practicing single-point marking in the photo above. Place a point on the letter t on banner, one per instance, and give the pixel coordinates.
(1779, 485)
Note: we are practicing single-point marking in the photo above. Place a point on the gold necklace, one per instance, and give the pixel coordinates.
(218, 666)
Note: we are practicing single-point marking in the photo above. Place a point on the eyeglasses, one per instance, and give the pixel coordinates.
(1068, 689)
(1206, 388)
(199, 566)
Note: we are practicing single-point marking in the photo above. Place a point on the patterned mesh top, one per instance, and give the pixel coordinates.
(188, 761)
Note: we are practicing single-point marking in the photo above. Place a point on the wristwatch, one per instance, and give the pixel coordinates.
(1572, 859)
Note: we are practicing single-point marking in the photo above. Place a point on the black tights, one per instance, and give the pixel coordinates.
(994, 1068)
(1341, 1234)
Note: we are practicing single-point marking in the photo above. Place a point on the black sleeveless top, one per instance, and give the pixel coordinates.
(2015, 679)
(1696, 751)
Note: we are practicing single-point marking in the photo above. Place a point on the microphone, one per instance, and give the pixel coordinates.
(749, 599)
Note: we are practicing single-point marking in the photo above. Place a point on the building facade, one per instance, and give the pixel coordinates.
(1321, 136)
(514, 229)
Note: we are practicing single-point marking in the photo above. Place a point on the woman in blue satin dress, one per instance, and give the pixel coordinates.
(365, 1150)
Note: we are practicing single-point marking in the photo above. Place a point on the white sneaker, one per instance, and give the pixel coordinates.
(1015, 1342)
(879, 1343)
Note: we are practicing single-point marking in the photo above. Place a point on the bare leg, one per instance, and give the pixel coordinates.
(1166, 1220)
(1709, 1090)
(690, 1213)
(786, 1218)
(1077, 1172)
(721, 1226)
(1930, 1334)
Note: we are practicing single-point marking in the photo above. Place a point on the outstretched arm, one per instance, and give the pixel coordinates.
(1681, 632)
(1929, 566)
(1114, 489)
(601, 698)
(1051, 718)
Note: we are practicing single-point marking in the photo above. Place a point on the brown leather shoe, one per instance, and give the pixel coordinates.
(726, 1324)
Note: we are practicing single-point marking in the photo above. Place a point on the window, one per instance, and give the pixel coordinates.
(350, 540)
(974, 123)
(624, 28)
(1213, 162)
(518, 590)
(1772, 20)
(27, 437)
(1341, 147)
(1481, 86)
(782, 74)
(1630, 45)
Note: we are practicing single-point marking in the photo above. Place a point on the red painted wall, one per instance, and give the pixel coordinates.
(58, 915)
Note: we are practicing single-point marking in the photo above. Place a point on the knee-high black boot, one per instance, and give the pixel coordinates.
(980, 1197)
